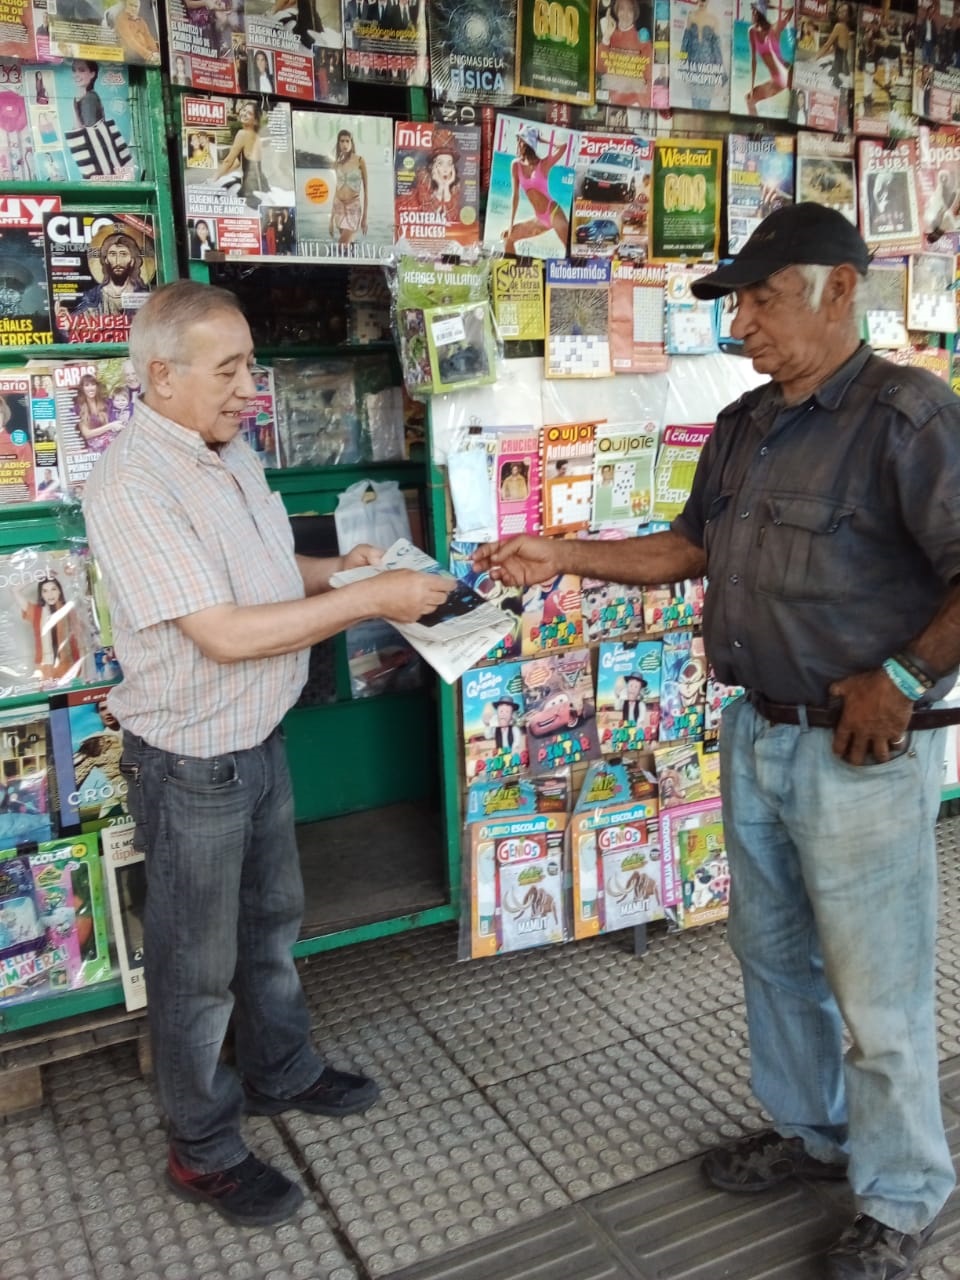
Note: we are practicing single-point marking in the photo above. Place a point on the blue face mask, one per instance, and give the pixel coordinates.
(471, 491)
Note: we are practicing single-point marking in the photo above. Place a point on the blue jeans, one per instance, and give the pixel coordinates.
(224, 906)
(833, 919)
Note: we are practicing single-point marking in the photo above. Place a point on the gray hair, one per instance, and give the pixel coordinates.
(161, 328)
(815, 276)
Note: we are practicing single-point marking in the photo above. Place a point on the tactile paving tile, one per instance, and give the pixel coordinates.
(609, 1117)
(115, 1152)
(58, 1252)
(418, 1185)
(35, 1188)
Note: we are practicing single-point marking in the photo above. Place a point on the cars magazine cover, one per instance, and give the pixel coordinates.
(611, 199)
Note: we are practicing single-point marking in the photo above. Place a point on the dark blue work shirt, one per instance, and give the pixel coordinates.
(832, 527)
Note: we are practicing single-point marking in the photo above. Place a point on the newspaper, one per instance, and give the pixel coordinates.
(452, 638)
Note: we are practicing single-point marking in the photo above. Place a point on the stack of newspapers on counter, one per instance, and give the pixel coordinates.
(456, 635)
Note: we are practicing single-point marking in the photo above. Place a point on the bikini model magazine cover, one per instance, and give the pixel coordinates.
(531, 188)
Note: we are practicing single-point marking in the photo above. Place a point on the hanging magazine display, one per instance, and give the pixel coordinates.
(889, 218)
(759, 180)
(472, 51)
(827, 172)
(531, 188)
(764, 40)
(938, 184)
(24, 297)
(625, 53)
(555, 50)
(100, 271)
(386, 41)
(105, 30)
(686, 199)
(17, 31)
(611, 202)
(700, 45)
(94, 401)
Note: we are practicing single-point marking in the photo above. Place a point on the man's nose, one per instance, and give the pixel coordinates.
(740, 324)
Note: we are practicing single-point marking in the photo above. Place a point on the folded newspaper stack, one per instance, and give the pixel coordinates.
(455, 636)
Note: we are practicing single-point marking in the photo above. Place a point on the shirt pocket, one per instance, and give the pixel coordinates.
(802, 548)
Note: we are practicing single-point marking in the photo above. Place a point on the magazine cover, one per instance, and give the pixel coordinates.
(673, 821)
(615, 867)
(259, 426)
(931, 298)
(764, 44)
(611, 610)
(100, 270)
(18, 37)
(293, 49)
(718, 696)
(759, 180)
(938, 186)
(560, 709)
(628, 695)
(318, 417)
(555, 50)
(17, 472)
(206, 45)
(532, 167)
(43, 416)
(94, 401)
(883, 94)
(518, 299)
(25, 816)
(637, 318)
(25, 319)
(704, 875)
(623, 464)
(46, 636)
(701, 42)
(686, 199)
(936, 75)
(444, 323)
(676, 464)
(682, 686)
(889, 217)
(124, 873)
(551, 617)
(237, 159)
(105, 30)
(344, 185)
(567, 464)
(495, 743)
(386, 40)
(578, 319)
(21, 929)
(691, 325)
(611, 200)
(517, 471)
(685, 772)
(86, 741)
(472, 51)
(827, 172)
(625, 53)
(823, 70)
(670, 605)
(437, 171)
(507, 599)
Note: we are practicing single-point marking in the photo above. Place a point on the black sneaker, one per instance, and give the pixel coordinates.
(764, 1160)
(251, 1193)
(868, 1250)
(333, 1093)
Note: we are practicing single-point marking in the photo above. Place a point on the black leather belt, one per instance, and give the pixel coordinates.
(829, 717)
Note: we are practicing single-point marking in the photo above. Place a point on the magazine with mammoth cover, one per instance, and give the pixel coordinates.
(71, 122)
(531, 188)
(386, 40)
(701, 37)
(623, 464)
(764, 44)
(105, 30)
(823, 69)
(87, 742)
(518, 299)
(25, 811)
(101, 269)
(472, 51)
(237, 157)
(611, 200)
(560, 708)
(456, 635)
(437, 171)
(47, 638)
(293, 49)
(625, 68)
(759, 180)
(124, 873)
(938, 184)
(343, 169)
(827, 172)
(517, 897)
(628, 694)
(17, 471)
(94, 401)
(567, 467)
(556, 50)
(889, 214)
(205, 44)
(936, 75)
(680, 451)
(494, 739)
(25, 319)
(637, 317)
(578, 319)
(883, 83)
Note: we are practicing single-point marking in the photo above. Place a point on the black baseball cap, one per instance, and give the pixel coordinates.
(795, 235)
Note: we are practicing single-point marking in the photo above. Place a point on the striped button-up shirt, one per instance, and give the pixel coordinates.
(176, 528)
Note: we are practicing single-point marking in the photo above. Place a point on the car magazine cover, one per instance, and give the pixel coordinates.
(531, 188)
(611, 196)
(437, 171)
(473, 51)
(827, 172)
(94, 401)
(764, 44)
(625, 53)
(883, 92)
(293, 49)
(206, 45)
(936, 74)
(100, 269)
(556, 54)
(25, 319)
(344, 180)
(17, 471)
(237, 157)
(889, 216)
(386, 41)
(759, 180)
(560, 708)
(701, 34)
(628, 694)
(105, 30)
(578, 319)
(823, 71)
(25, 816)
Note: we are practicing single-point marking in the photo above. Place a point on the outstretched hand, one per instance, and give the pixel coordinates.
(362, 554)
(404, 595)
(874, 719)
(518, 561)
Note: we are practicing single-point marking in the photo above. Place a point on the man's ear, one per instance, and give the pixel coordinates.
(842, 284)
(158, 378)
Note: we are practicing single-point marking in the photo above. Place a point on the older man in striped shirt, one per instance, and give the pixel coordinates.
(213, 615)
